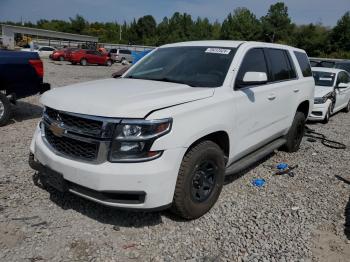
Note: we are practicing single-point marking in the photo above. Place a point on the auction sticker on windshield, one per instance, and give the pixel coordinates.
(218, 51)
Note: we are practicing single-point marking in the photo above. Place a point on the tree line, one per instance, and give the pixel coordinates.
(276, 26)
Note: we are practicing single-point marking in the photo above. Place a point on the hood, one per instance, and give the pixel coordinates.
(129, 98)
(321, 91)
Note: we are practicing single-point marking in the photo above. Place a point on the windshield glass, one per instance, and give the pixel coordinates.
(323, 78)
(193, 66)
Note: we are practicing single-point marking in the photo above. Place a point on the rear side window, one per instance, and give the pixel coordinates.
(46, 49)
(303, 63)
(343, 78)
(125, 52)
(280, 65)
(254, 61)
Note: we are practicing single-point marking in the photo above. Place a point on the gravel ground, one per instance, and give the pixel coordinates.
(297, 218)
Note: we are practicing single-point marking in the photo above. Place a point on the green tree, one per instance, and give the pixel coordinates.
(241, 25)
(340, 36)
(314, 39)
(146, 30)
(277, 25)
(162, 32)
(78, 24)
(202, 29)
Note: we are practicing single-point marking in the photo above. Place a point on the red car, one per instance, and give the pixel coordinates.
(85, 57)
(61, 54)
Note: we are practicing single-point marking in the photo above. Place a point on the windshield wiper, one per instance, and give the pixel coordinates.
(169, 80)
(164, 79)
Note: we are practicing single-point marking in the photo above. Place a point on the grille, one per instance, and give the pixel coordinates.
(75, 123)
(71, 147)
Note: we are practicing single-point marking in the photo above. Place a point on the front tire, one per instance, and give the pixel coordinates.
(296, 133)
(83, 62)
(347, 108)
(200, 180)
(5, 110)
(328, 115)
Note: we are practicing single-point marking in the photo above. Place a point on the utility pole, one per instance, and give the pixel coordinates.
(120, 32)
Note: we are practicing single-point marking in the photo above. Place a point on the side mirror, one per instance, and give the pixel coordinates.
(343, 85)
(254, 78)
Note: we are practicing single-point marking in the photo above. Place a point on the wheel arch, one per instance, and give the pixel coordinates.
(221, 138)
(304, 107)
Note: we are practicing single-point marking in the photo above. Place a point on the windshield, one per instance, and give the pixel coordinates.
(323, 78)
(193, 66)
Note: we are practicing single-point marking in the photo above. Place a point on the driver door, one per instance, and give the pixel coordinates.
(255, 104)
(342, 94)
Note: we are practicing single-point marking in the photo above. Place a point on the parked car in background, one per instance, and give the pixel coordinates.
(43, 51)
(21, 75)
(168, 131)
(332, 93)
(331, 63)
(85, 57)
(120, 55)
(60, 55)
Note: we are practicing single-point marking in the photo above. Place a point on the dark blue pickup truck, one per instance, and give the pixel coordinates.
(21, 75)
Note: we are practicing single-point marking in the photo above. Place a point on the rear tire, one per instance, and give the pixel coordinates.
(200, 180)
(5, 110)
(83, 62)
(295, 133)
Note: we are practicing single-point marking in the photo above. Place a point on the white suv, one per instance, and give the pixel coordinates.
(167, 132)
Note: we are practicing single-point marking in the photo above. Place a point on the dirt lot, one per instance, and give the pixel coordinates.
(297, 218)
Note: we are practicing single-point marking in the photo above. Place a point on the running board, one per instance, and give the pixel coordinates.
(254, 157)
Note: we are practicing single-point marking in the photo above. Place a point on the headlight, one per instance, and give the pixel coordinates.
(133, 140)
(320, 100)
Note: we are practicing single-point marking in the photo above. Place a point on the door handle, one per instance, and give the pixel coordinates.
(271, 97)
(296, 90)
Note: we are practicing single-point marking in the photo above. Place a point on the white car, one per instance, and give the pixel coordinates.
(43, 51)
(167, 132)
(332, 93)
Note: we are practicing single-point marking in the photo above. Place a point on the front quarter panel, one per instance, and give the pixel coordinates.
(194, 120)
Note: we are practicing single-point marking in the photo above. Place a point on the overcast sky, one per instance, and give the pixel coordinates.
(301, 11)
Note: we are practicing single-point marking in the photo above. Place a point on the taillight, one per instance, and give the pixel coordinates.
(38, 66)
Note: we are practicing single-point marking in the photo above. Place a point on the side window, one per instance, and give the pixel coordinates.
(303, 63)
(279, 65)
(343, 78)
(339, 78)
(46, 49)
(127, 52)
(347, 78)
(292, 72)
(254, 61)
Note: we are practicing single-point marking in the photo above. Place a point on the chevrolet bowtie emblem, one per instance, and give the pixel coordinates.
(56, 129)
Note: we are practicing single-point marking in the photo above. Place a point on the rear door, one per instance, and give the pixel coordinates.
(100, 58)
(284, 86)
(90, 57)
